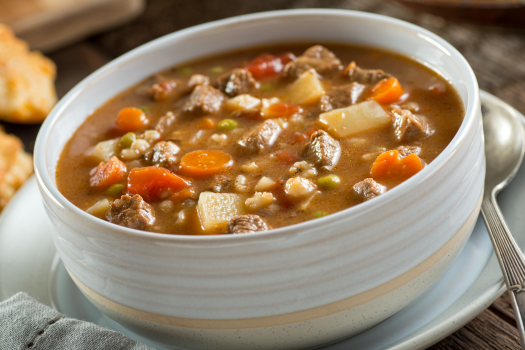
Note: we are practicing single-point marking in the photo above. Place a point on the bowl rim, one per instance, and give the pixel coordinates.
(46, 184)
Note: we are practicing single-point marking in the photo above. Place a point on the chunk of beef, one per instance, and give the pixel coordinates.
(163, 154)
(259, 139)
(407, 126)
(221, 183)
(408, 150)
(164, 90)
(204, 99)
(317, 57)
(322, 150)
(342, 96)
(197, 79)
(246, 224)
(166, 124)
(132, 212)
(365, 76)
(237, 82)
(368, 189)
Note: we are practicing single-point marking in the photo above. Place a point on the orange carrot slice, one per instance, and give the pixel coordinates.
(387, 91)
(390, 166)
(154, 183)
(107, 174)
(131, 119)
(205, 163)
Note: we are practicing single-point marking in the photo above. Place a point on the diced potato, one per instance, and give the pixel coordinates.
(298, 188)
(306, 89)
(241, 184)
(140, 146)
(151, 136)
(251, 168)
(348, 121)
(100, 208)
(265, 184)
(104, 150)
(128, 154)
(242, 103)
(220, 139)
(259, 200)
(216, 209)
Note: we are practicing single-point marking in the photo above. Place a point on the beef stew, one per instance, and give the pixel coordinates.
(258, 139)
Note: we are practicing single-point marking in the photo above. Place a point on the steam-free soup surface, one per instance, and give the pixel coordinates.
(258, 139)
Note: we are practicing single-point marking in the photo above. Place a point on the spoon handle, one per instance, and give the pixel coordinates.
(510, 258)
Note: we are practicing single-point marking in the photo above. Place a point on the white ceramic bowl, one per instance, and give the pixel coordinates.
(295, 287)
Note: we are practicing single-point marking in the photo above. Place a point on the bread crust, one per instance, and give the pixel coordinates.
(27, 91)
(15, 166)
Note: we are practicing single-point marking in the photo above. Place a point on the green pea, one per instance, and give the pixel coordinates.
(329, 182)
(216, 70)
(319, 214)
(185, 71)
(115, 190)
(227, 125)
(127, 140)
(267, 87)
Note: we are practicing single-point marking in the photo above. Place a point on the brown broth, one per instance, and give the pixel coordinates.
(443, 110)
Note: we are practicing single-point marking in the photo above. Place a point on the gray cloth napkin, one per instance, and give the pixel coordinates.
(27, 324)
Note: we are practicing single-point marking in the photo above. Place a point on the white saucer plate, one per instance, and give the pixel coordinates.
(29, 263)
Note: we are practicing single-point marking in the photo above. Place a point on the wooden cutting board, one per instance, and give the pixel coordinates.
(50, 24)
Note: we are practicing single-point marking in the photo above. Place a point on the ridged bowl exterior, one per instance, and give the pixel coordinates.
(243, 279)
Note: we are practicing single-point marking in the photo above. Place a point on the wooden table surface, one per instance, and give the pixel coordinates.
(496, 55)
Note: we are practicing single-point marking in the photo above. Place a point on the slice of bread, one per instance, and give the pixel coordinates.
(15, 166)
(27, 92)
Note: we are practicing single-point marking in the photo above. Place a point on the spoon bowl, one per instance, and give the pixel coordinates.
(504, 149)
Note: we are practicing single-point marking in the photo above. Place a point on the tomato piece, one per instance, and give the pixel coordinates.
(205, 163)
(131, 119)
(281, 110)
(390, 166)
(267, 65)
(286, 156)
(387, 91)
(107, 174)
(154, 183)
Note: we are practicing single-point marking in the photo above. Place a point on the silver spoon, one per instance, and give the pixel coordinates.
(504, 150)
